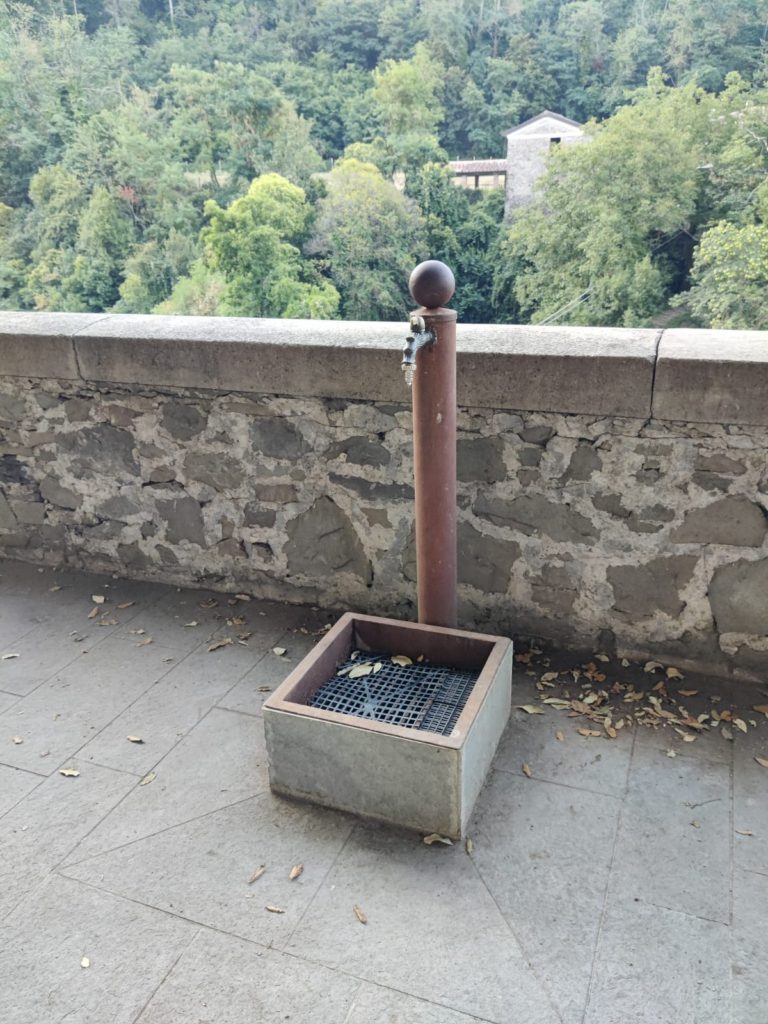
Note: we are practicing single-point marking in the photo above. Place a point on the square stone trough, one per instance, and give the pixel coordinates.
(402, 775)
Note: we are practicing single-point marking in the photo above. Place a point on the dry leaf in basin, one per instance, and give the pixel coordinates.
(434, 837)
(401, 659)
(296, 870)
(674, 673)
(652, 666)
(360, 915)
(687, 693)
(274, 910)
(740, 724)
(257, 873)
(527, 770)
(150, 777)
(529, 709)
(217, 644)
(70, 773)
(360, 670)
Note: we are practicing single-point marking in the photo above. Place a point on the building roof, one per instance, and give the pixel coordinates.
(540, 117)
(478, 166)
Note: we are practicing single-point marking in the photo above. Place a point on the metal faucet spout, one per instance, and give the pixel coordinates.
(419, 337)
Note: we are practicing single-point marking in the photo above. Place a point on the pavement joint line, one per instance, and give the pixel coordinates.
(353, 1004)
(28, 771)
(271, 948)
(353, 826)
(151, 835)
(521, 948)
(683, 913)
(564, 785)
(608, 874)
(165, 977)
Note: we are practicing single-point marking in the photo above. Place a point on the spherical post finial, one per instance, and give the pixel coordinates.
(432, 284)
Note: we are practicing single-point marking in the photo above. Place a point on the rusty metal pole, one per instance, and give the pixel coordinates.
(434, 444)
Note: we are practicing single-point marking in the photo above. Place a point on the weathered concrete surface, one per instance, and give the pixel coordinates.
(712, 377)
(592, 891)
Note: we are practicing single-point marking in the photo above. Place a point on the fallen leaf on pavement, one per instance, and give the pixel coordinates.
(360, 915)
(527, 770)
(688, 693)
(559, 735)
(674, 673)
(652, 666)
(147, 779)
(93, 612)
(145, 643)
(588, 732)
(126, 604)
(671, 753)
(217, 644)
(274, 910)
(762, 761)
(743, 832)
(257, 873)
(295, 871)
(469, 845)
(134, 739)
(740, 724)
(98, 598)
(696, 824)
(279, 651)
(192, 623)
(530, 709)
(17, 740)
(85, 962)
(761, 709)
(264, 689)
(71, 773)
(434, 837)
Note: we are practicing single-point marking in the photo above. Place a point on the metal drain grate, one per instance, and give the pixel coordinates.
(417, 696)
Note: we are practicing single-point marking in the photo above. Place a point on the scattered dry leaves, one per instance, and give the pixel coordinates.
(146, 642)
(296, 870)
(280, 651)
(401, 659)
(674, 673)
(274, 910)
(357, 671)
(360, 915)
(93, 612)
(530, 709)
(435, 837)
(527, 770)
(257, 874)
(126, 604)
(134, 739)
(218, 644)
(150, 777)
(98, 598)
(70, 773)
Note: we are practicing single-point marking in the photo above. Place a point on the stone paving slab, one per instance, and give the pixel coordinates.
(550, 884)
(221, 761)
(220, 978)
(130, 949)
(588, 896)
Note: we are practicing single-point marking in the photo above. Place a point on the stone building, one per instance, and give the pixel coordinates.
(527, 148)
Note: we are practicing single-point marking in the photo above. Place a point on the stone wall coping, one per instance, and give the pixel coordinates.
(690, 375)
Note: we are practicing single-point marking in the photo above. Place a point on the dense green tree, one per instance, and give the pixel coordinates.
(730, 277)
(254, 245)
(371, 236)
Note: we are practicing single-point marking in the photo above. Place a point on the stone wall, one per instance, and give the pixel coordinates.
(583, 525)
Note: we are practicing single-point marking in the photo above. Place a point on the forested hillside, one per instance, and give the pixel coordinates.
(223, 157)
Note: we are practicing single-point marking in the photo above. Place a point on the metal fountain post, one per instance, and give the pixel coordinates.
(429, 363)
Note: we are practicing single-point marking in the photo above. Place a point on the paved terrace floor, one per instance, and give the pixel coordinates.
(616, 884)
